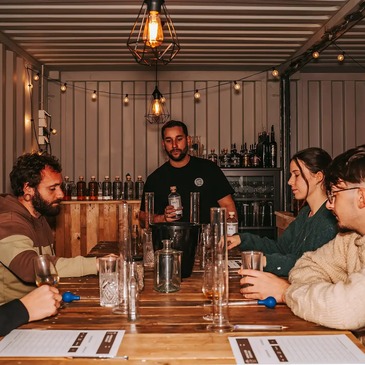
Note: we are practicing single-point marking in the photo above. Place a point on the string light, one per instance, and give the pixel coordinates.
(63, 87)
(126, 99)
(53, 131)
(162, 99)
(315, 54)
(341, 57)
(236, 86)
(197, 95)
(94, 96)
(36, 76)
(275, 72)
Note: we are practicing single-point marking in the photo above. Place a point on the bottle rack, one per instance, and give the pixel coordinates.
(258, 194)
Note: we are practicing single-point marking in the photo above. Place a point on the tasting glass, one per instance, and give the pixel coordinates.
(45, 271)
(108, 281)
(252, 260)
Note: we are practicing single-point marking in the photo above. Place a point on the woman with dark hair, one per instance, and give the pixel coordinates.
(313, 227)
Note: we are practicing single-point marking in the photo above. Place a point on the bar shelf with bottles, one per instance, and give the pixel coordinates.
(257, 195)
(255, 178)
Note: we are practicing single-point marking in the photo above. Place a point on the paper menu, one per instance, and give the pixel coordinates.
(61, 343)
(316, 349)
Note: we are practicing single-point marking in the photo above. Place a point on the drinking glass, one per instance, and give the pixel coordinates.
(252, 260)
(45, 271)
(108, 281)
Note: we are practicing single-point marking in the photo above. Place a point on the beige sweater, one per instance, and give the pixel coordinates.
(328, 285)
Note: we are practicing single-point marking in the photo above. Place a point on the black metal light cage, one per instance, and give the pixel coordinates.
(170, 46)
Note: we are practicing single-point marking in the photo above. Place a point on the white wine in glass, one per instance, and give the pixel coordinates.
(45, 271)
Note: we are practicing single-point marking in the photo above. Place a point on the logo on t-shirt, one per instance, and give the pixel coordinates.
(198, 181)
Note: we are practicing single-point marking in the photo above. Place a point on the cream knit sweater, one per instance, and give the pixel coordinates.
(328, 285)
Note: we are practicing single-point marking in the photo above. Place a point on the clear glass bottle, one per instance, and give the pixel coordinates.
(136, 244)
(128, 187)
(133, 305)
(106, 188)
(81, 189)
(67, 188)
(232, 224)
(117, 189)
(93, 189)
(167, 269)
(175, 200)
(139, 185)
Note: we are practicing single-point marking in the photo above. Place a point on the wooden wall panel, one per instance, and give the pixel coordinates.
(327, 110)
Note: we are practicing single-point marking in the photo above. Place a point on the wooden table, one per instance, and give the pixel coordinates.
(170, 329)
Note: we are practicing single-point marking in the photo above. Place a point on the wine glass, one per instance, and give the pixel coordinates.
(45, 271)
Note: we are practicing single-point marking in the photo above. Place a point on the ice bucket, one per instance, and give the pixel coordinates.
(184, 238)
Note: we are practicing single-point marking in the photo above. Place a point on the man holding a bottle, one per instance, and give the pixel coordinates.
(188, 174)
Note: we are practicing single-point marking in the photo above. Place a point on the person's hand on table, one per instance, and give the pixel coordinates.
(170, 214)
(233, 241)
(42, 302)
(262, 285)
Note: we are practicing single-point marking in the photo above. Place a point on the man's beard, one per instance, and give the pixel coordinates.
(43, 207)
(182, 155)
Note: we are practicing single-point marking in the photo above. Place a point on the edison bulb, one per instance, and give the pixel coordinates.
(340, 57)
(63, 88)
(237, 86)
(156, 107)
(36, 77)
(163, 100)
(315, 54)
(126, 99)
(275, 72)
(197, 95)
(94, 96)
(153, 33)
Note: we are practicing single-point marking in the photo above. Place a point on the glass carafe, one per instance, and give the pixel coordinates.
(167, 269)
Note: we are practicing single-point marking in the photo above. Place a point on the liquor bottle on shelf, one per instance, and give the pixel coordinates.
(213, 156)
(128, 187)
(245, 157)
(225, 158)
(139, 185)
(117, 189)
(273, 149)
(259, 147)
(232, 224)
(81, 189)
(175, 200)
(106, 188)
(265, 150)
(67, 189)
(234, 157)
(255, 159)
(93, 189)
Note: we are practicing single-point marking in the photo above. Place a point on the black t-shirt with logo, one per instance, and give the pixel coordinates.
(199, 175)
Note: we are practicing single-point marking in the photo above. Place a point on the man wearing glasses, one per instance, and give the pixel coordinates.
(327, 286)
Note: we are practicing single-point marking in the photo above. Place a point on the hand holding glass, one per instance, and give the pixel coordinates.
(45, 271)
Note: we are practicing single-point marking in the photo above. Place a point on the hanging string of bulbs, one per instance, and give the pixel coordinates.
(196, 92)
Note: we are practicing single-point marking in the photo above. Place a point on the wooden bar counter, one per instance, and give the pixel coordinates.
(170, 328)
(82, 224)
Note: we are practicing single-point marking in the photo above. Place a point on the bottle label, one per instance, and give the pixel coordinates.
(176, 203)
(232, 228)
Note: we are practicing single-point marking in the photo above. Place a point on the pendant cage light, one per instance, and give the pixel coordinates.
(157, 112)
(153, 37)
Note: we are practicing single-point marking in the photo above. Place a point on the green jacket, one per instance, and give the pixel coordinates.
(303, 234)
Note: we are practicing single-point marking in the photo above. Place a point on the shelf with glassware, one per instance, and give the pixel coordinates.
(258, 194)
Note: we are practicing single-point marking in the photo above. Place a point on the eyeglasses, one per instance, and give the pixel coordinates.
(332, 194)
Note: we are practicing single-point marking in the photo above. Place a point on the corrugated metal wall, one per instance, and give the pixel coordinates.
(106, 137)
